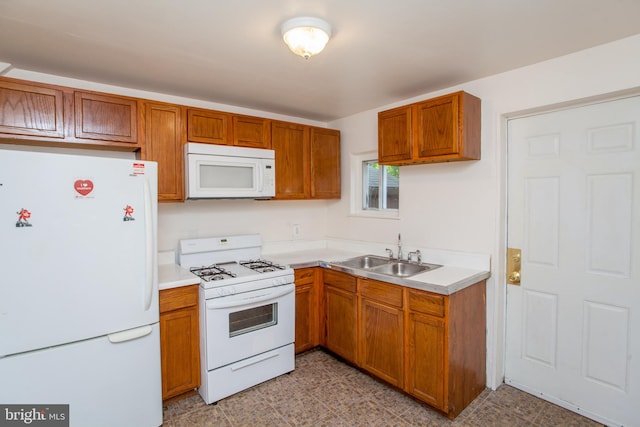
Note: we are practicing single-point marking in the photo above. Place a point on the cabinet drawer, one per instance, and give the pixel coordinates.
(176, 298)
(426, 303)
(304, 275)
(381, 292)
(340, 280)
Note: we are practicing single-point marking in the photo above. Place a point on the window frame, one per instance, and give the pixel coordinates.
(358, 192)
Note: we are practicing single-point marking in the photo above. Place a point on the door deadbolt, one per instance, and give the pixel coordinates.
(514, 257)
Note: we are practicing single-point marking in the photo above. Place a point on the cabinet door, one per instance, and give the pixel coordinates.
(179, 340)
(180, 358)
(381, 341)
(106, 117)
(437, 125)
(163, 144)
(291, 144)
(426, 347)
(31, 110)
(448, 128)
(340, 322)
(306, 309)
(325, 163)
(207, 126)
(253, 132)
(395, 135)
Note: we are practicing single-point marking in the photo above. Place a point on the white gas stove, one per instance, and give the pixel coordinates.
(231, 264)
(247, 313)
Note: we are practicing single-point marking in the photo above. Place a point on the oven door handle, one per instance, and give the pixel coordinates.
(221, 303)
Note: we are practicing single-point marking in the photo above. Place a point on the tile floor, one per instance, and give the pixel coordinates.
(323, 391)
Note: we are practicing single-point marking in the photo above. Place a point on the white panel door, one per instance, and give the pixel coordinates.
(573, 326)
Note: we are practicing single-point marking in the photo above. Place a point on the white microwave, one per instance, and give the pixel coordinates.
(229, 172)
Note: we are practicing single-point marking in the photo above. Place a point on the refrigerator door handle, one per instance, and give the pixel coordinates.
(130, 334)
(148, 221)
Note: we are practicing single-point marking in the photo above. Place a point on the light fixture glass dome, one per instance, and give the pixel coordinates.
(306, 36)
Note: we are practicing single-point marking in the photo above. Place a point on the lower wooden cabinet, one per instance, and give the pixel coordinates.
(446, 347)
(426, 356)
(341, 314)
(381, 327)
(432, 346)
(179, 341)
(307, 326)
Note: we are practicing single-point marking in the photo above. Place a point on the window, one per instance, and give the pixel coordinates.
(380, 189)
(375, 189)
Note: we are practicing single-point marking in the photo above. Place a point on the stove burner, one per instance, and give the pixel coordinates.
(261, 266)
(212, 272)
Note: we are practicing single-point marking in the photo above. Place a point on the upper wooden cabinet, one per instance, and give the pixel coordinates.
(105, 117)
(208, 126)
(253, 132)
(163, 144)
(31, 110)
(395, 135)
(325, 163)
(291, 144)
(42, 114)
(307, 161)
(442, 129)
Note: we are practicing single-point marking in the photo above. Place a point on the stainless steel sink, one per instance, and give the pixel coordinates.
(401, 269)
(385, 266)
(364, 262)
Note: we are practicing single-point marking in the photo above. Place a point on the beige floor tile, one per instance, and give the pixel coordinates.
(323, 391)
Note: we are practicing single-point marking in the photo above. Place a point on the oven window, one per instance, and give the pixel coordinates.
(245, 321)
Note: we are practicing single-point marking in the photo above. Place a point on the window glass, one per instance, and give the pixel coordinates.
(380, 186)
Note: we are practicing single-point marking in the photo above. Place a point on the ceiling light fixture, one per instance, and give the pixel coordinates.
(306, 36)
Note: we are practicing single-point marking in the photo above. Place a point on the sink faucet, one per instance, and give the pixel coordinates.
(399, 248)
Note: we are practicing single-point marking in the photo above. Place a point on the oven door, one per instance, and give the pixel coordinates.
(244, 325)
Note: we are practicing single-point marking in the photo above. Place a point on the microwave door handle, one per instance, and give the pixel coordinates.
(260, 177)
(221, 303)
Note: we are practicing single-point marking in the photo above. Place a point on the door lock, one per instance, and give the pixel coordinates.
(514, 257)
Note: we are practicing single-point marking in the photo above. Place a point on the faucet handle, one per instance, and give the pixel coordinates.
(417, 254)
(390, 253)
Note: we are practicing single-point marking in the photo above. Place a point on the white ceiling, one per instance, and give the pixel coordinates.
(231, 51)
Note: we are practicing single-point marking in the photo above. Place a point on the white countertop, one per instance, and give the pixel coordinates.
(444, 280)
(173, 276)
(458, 270)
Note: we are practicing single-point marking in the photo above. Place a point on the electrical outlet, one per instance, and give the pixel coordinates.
(297, 230)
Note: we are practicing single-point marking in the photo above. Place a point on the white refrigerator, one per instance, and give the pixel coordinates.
(78, 287)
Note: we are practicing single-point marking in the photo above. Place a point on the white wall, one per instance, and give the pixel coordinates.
(461, 206)
(272, 219)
